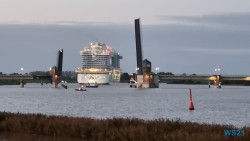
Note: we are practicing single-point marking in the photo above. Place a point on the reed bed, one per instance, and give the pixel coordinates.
(116, 129)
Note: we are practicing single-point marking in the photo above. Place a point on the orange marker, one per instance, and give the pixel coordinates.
(191, 105)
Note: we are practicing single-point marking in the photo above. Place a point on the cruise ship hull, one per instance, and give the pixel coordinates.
(100, 78)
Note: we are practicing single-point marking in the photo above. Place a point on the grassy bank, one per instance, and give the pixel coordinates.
(116, 129)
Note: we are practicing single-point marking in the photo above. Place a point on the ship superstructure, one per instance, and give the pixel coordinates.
(100, 63)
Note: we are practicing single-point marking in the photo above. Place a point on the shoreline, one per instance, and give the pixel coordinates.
(115, 128)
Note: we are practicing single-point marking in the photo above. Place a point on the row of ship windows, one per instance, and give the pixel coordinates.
(94, 67)
(95, 60)
(103, 58)
(117, 66)
(85, 64)
(91, 56)
(99, 60)
(95, 64)
(98, 66)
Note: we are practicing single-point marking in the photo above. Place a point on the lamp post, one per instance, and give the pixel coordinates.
(137, 70)
(21, 70)
(157, 69)
(217, 71)
(217, 82)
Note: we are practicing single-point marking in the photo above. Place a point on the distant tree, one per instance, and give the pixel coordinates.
(39, 73)
(124, 77)
(69, 76)
(165, 73)
(184, 74)
(14, 73)
(1, 73)
(161, 73)
(169, 73)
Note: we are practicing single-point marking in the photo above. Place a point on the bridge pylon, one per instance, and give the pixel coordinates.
(56, 71)
(22, 83)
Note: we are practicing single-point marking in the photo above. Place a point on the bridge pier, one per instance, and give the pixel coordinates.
(21, 83)
(54, 78)
(217, 81)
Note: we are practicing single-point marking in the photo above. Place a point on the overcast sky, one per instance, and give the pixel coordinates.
(178, 36)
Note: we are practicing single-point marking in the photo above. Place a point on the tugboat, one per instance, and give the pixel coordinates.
(80, 89)
(132, 83)
(92, 83)
(64, 84)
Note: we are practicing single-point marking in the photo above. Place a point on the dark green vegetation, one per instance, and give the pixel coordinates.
(69, 76)
(125, 77)
(9, 82)
(116, 129)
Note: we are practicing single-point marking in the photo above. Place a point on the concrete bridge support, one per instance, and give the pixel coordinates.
(217, 81)
(54, 77)
(21, 83)
(54, 80)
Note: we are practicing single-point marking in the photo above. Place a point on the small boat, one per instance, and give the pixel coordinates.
(132, 83)
(80, 89)
(64, 84)
(91, 85)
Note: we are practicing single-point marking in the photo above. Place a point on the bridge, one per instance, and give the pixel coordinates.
(146, 78)
(55, 73)
(216, 79)
(204, 77)
(24, 77)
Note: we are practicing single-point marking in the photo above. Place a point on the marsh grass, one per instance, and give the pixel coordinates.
(116, 129)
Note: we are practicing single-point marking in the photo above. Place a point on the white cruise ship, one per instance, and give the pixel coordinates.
(100, 63)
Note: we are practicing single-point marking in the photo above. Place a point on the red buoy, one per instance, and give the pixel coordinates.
(191, 105)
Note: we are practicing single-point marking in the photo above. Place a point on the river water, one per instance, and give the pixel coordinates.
(229, 105)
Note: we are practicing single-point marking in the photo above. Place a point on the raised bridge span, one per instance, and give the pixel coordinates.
(55, 73)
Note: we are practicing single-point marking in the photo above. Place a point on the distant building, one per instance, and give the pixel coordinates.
(146, 65)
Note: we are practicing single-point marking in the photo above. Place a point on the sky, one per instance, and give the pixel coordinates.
(177, 36)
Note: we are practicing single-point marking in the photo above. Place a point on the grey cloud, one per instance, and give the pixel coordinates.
(219, 51)
(240, 20)
(175, 48)
(34, 46)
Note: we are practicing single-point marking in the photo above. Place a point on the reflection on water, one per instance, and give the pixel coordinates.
(229, 105)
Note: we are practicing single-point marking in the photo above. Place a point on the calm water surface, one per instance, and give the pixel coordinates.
(229, 105)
